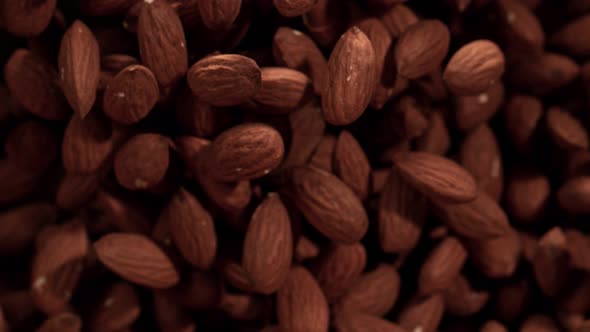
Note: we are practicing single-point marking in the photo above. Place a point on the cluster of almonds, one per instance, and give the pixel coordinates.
(295, 166)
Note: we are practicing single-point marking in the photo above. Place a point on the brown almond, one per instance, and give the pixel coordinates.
(75, 190)
(225, 80)
(462, 300)
(436, 138)
(544, 73)
(358, 322)
(577, 247)
(219, 15)
(402, 212)
(199, 290)
(142, 162)
(496, 257)
(26, 75)
(338, 268)
(398, 18)
(565, 130)
(87, 143)
(305, 249)
(351, 164)
(527, 195)
(192, 229)
(125, 216)
(169, 315)
(437, 177)
(408, 119)
(116, 62)
(118, 308)
(481, 218)
(79, 67)
(521, 117)
(323, 156)
(328, 204)
(493, 326)
(423, 313)
(352, 78)
(374, 293)
(282, 89)
(539, 323)
(571, 37)
(268, 246)
(441, 266)
(26, 18)
(474, 68)
(472, 111)
(137, 259)
(245, 152)
(197, 118)
(301, 305)
(522, 29)
(131, 95)
(32, 146)
(574, 195)
(421, 48)
(551, 262)
(62, 322)
(512, 299)
(162, 44)
(19, 226)
(307, 129)
(292, 8)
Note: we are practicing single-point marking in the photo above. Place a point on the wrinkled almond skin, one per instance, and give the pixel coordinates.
(26, 18)
(137, 259)
(162, 43)
(192, 229)
(301, 305)
(352, 78)
(441, 267)
(142, 162)
(245, 152)
(79, 67)
(421, 48)
(474, 68)
(351, 164)
(268, 246)
(219, 15)
(328, 204)
(131, 95)
(292, 8)
(282, 89)
(437, 177)
(225, 80)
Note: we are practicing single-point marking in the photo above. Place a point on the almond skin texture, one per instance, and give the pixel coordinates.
(192, 229)
(437, 177)
(142, 161)
(225, 80)
(26, 75)
(421, 48)
(474, 68)
(328, 204)
(374, 293)
(282, 89)
(26, 18)
(352, 78)
(301, 305)
(131, 95)
(268, 246)
(86, 144)
(245, 152)
(292, 8)
(351, 164)
(162, 44)
(136, 258)
(441, 267)
(79, 65)
(357, 322)
(219, 15)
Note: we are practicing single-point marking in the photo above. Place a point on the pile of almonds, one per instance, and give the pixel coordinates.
(295, 165)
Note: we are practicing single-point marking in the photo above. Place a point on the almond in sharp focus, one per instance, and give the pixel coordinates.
(282, 89)
(474, 68)
(437, 177)
(79, 67)
(301, 305)
(136, 258)
(328, 204)
(218, 15)
(351, 164)
(245, 152)
(131, 95)
(268, 246)
(192, 229)
(26, 18)
(225, 80)
(441, 267)
(162, 44)
(352, 78)
(421, 48)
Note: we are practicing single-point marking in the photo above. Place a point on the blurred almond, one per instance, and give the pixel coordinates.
(544, 73)
(436, 138)
(323, 155)
(496, 257)
(62, 322)
(118, 308)
(565, 130)
(19, 225)
(357, 322)
(521, 117)
(105, 7)
(307, 129)
(527, 195)
(292, 8)
(398, 18)
(75, 190)
(441, 266)
(422, 313)
(550, 263)
(125, 216)
(142, 162)
(538, 323)
(522, 28)
(574, 195)
(571, 37)
(472, 111)
(171, 317)
(462, 300)
(26, 18)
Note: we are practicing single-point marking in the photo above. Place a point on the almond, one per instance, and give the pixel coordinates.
(326, 21)
(219, 15)
(323, 156)
(301, 305)
(268, 246)
(408, 119)
(142, 162)
(292, 8)
(86, 144)
(472, 111)
(62, 322)
(282, 90)
(544, 73)
(162, 44)
(437, 177)
(328, 204)
(565, 130)
(169, 315)
(571, 37)
(436, 138)
(441, 266)
(521, 117)
(577, 248)
(32, 146)
(124, 216)
(357, 322)
(496, 257)
(512, 298)
(551, 262)
(402, 212)
(493, 326)
(197, 118)
(522, 28)
(244, 307)
(574, 195)
(338, 268)
(307, 129)
(225, 80)
(75, 190)
(352, 78)
(422, 313)
(474, 68)
(19, 225)
(481, 218)
(462, 300)
(26, 18)
(539, 323)
(305, 249)
(115, 62)
(79, 66)
(199, 290)
(192, 229)
(398, 18)
(374, 293)
(118, 308)
(421, 48)
(245, 152)
(527, 195)
(131, 95)
(351, 164)
(26, 74)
